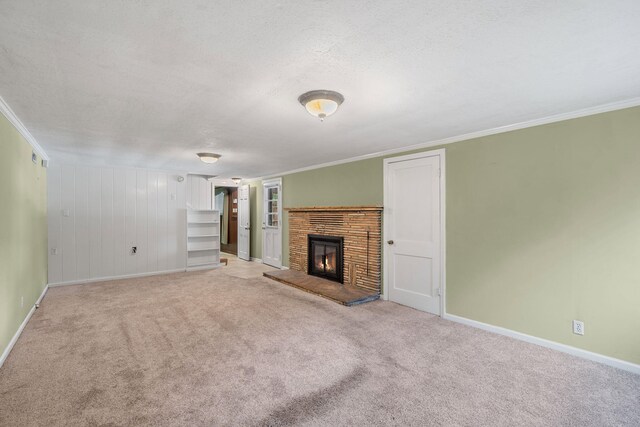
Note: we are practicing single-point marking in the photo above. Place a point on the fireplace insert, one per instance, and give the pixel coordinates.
(325, 257)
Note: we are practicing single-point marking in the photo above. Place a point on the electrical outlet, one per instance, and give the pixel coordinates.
(578, 327)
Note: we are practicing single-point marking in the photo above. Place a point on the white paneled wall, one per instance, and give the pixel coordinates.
(96, 215)
(199, 192)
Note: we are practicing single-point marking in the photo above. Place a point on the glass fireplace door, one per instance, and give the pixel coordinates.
(325, 257)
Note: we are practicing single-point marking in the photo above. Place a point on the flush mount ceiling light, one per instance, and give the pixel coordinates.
(209, 157)
(321, 103)
(236, 180)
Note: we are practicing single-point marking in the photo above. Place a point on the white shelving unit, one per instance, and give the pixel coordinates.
(203, 239)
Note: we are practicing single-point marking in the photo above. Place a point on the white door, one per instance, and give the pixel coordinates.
(244, 225)
(413, 234)
(272, 223)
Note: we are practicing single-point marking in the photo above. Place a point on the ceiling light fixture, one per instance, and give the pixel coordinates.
(321, 103)
(236, 180)
(209, 157)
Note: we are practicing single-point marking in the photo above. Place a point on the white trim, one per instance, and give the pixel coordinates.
(443, 233)
(256, 260)
(125, 276)
(595, 357)
(284, 267)
(605, 108)
(13, 341)
(443, 205)
(17, 123)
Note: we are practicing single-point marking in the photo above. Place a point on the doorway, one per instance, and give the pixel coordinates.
(414, 230)
(244, 223)
(272, 222)
(226, 201)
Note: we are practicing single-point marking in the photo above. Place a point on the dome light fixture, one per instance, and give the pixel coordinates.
(237, 181)
(321, 103)
(209, 157)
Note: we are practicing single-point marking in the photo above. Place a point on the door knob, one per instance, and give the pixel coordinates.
(390, 242)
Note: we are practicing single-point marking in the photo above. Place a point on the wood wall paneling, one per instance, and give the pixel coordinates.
(81, 220)
(130, 221)
(142, 240)
(152, 221)
(107, 237)
(181, 226)
(199, 192)
(96, 215)
(68, 230)
(120, 254)
(162, 221)
(172, 224)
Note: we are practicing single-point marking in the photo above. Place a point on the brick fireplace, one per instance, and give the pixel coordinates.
(359, 230)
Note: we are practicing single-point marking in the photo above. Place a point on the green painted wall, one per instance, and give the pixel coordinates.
(348, 184)
(23, 230)
(543, 226)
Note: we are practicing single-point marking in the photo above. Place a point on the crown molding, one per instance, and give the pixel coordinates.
(15, 121)
(605, 108)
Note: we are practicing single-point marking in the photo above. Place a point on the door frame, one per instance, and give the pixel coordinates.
(385, 232)
(265, 183)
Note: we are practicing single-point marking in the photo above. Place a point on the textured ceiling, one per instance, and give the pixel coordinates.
(150, 83)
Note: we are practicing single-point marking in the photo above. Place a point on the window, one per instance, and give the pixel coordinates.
(272, 219)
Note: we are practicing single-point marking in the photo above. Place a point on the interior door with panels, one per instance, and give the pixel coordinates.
(244, 229)
(413, 231)
(272, 223)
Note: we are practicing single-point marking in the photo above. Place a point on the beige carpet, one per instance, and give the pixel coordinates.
(228, 347)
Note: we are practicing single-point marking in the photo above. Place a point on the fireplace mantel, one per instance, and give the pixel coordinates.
(334, 209)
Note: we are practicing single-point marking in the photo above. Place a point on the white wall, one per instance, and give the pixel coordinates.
(109, 211)
(199, 192)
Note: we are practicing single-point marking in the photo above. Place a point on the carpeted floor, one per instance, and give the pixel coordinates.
(228, 347)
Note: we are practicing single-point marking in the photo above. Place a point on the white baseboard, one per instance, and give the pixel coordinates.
(107, 278)
(13, 341)
(596, 357)
(256, 259)
(284, 267)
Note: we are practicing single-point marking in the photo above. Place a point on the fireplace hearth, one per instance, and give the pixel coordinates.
(325, 257)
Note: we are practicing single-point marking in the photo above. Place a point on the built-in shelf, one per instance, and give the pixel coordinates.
(202, 249)
(203, 238)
